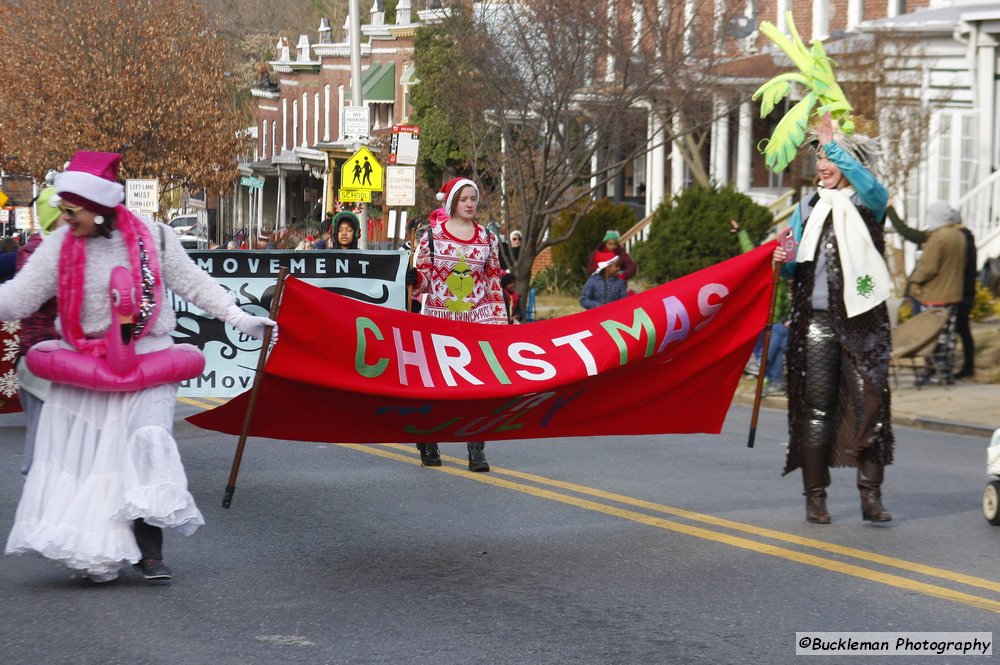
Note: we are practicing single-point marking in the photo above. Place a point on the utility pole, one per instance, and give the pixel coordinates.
(357, 98)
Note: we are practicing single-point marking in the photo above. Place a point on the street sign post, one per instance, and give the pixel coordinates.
(362, 171)
(354, 196)
(253, 182)
(401, 186)
(404, 144)
(22, 218)
(357, 126)
(142, 195)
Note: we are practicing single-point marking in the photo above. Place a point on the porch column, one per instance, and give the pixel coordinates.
(986, 71)
(744, 147)
(719, 168)
(676, 161)
(281, 221)
(239, 209)
(656, 168)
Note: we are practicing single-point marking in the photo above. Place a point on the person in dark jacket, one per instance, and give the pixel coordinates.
(603, 286)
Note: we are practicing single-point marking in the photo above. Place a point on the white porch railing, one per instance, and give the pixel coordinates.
(639, 231)
(980, 210)
(781, 208)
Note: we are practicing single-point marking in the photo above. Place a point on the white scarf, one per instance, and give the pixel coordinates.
(866, 278)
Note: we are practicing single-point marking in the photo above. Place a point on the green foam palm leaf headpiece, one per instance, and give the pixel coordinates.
(816, 75)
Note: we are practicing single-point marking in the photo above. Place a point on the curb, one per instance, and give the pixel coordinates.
(918, 422)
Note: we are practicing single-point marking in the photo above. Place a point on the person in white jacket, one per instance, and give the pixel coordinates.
(106, 475)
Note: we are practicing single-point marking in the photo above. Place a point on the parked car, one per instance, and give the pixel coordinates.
(184, 225)
(192, 235)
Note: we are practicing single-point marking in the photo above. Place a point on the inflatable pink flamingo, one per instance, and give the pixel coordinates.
(121, 356)
(120, 369)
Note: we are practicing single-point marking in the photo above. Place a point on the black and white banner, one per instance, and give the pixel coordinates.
(376, 277)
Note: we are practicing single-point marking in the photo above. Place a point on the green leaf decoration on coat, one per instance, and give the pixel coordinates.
(824, 95)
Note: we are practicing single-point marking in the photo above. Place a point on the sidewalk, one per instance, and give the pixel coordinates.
(964, 408)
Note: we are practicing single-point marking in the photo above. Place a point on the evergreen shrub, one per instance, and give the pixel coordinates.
(573, 255)
(693, 232)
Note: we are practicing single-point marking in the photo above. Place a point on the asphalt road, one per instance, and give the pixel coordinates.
(673, 549)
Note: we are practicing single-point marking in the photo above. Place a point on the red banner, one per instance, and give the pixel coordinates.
(666, 360)
(9, 344)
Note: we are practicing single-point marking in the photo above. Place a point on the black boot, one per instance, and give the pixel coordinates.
(870, 474)
(477, 459)
(815, 480)
(429, 454)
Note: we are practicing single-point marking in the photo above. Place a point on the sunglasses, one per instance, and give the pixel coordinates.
(70, 211)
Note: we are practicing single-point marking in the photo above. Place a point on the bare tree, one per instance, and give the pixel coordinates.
(140, 77)
(547, 102)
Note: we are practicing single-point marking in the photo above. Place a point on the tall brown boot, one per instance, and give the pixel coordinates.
(870, 474)
(815, 480)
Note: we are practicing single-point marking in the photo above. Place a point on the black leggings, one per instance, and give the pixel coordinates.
(149, 538)
(826, 367)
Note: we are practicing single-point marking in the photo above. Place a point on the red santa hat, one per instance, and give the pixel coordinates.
(91, 181)
(451, 188)
(605, 259)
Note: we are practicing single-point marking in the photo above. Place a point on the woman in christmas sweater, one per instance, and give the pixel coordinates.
(458, 271)
(106, 474)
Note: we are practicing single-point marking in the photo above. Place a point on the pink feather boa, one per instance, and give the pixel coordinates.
(72, 272)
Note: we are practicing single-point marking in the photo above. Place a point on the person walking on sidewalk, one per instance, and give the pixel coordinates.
(458, 268)
(938, 282)
(940, 216)
(839, 336)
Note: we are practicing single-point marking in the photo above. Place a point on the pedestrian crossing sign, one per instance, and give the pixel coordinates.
(362, 171)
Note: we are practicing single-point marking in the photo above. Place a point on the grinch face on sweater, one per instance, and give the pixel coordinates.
(460, 283)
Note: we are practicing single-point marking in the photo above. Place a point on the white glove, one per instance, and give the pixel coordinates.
(252, 326)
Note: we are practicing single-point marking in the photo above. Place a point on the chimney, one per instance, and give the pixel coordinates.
(302, 49)
(403, 12)
(377, 13)
(324, 31)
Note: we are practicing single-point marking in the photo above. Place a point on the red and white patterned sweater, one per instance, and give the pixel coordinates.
(462, 282)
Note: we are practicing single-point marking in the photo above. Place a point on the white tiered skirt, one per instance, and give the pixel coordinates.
(102, 460)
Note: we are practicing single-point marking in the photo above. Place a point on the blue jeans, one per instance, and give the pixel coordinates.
(775, 352)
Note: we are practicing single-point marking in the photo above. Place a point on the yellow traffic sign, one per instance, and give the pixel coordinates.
(3, 199)
(354, 195)
(361, 171)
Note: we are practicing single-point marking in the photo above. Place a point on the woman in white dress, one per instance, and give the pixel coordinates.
(106, 475)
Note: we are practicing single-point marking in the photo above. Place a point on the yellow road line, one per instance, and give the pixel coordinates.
(194, 402)
(698, 532)
(833, 548)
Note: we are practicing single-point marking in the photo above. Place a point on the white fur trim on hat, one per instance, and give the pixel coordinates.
(456, 188)
(91, 187)
(604, 264)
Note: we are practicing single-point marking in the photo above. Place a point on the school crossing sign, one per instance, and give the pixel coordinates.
(362, 172)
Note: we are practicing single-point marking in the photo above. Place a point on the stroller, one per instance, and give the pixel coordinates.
(991, 495)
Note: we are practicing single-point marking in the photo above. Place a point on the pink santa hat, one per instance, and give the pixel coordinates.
(90, 180)
(438, 216)
(451, 188)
